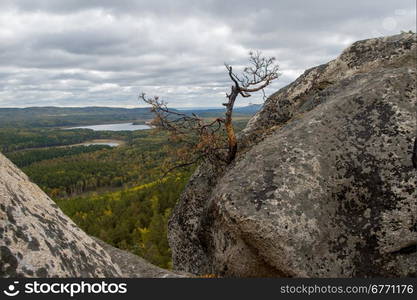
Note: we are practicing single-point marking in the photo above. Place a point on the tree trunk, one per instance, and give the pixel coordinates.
(231, 136)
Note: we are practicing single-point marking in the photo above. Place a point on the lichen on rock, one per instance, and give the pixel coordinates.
(323, 185)
(37, 239)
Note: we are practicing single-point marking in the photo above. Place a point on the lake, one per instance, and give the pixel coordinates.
(108, 142)
(114, 127)
(104, 143)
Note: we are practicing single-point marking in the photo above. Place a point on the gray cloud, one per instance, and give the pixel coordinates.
(78, 53)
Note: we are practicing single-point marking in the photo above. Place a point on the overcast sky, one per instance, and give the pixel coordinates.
(104, 53)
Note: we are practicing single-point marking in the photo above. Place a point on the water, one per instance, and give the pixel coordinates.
(111, 144)
(114, 127)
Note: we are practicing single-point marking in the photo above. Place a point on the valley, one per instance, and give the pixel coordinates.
(106, 175)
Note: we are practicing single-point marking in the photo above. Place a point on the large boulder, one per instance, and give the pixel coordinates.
(324, 184)
(38, 240)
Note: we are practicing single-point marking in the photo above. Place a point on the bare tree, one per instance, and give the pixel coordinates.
(195, 137)
(213, 140)
(257, 76)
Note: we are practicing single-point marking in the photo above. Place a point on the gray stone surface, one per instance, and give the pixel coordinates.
(133, 266)
(324, 184)
(38, 240)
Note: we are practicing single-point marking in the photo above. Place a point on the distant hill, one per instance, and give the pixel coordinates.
(238, 111)
(51, 116)
(68, 116)
(250, 109)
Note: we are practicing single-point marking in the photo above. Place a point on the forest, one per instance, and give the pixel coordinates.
(118, 194)
(12, 139)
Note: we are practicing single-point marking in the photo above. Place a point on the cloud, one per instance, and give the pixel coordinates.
(78, 53)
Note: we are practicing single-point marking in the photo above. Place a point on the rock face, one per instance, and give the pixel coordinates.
(324, 184)
(134, 266)
(38, 240)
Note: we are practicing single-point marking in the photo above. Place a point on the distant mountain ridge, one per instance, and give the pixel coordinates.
(52, 116)
(67, 116)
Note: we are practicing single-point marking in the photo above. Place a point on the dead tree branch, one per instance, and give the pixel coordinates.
(213, 140)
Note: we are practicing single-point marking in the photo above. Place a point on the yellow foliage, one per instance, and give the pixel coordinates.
(81, 215)
(143, 230)
(208, 276)
(108, 212)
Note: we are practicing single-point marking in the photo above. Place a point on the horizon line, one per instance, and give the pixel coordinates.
(123, 107)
